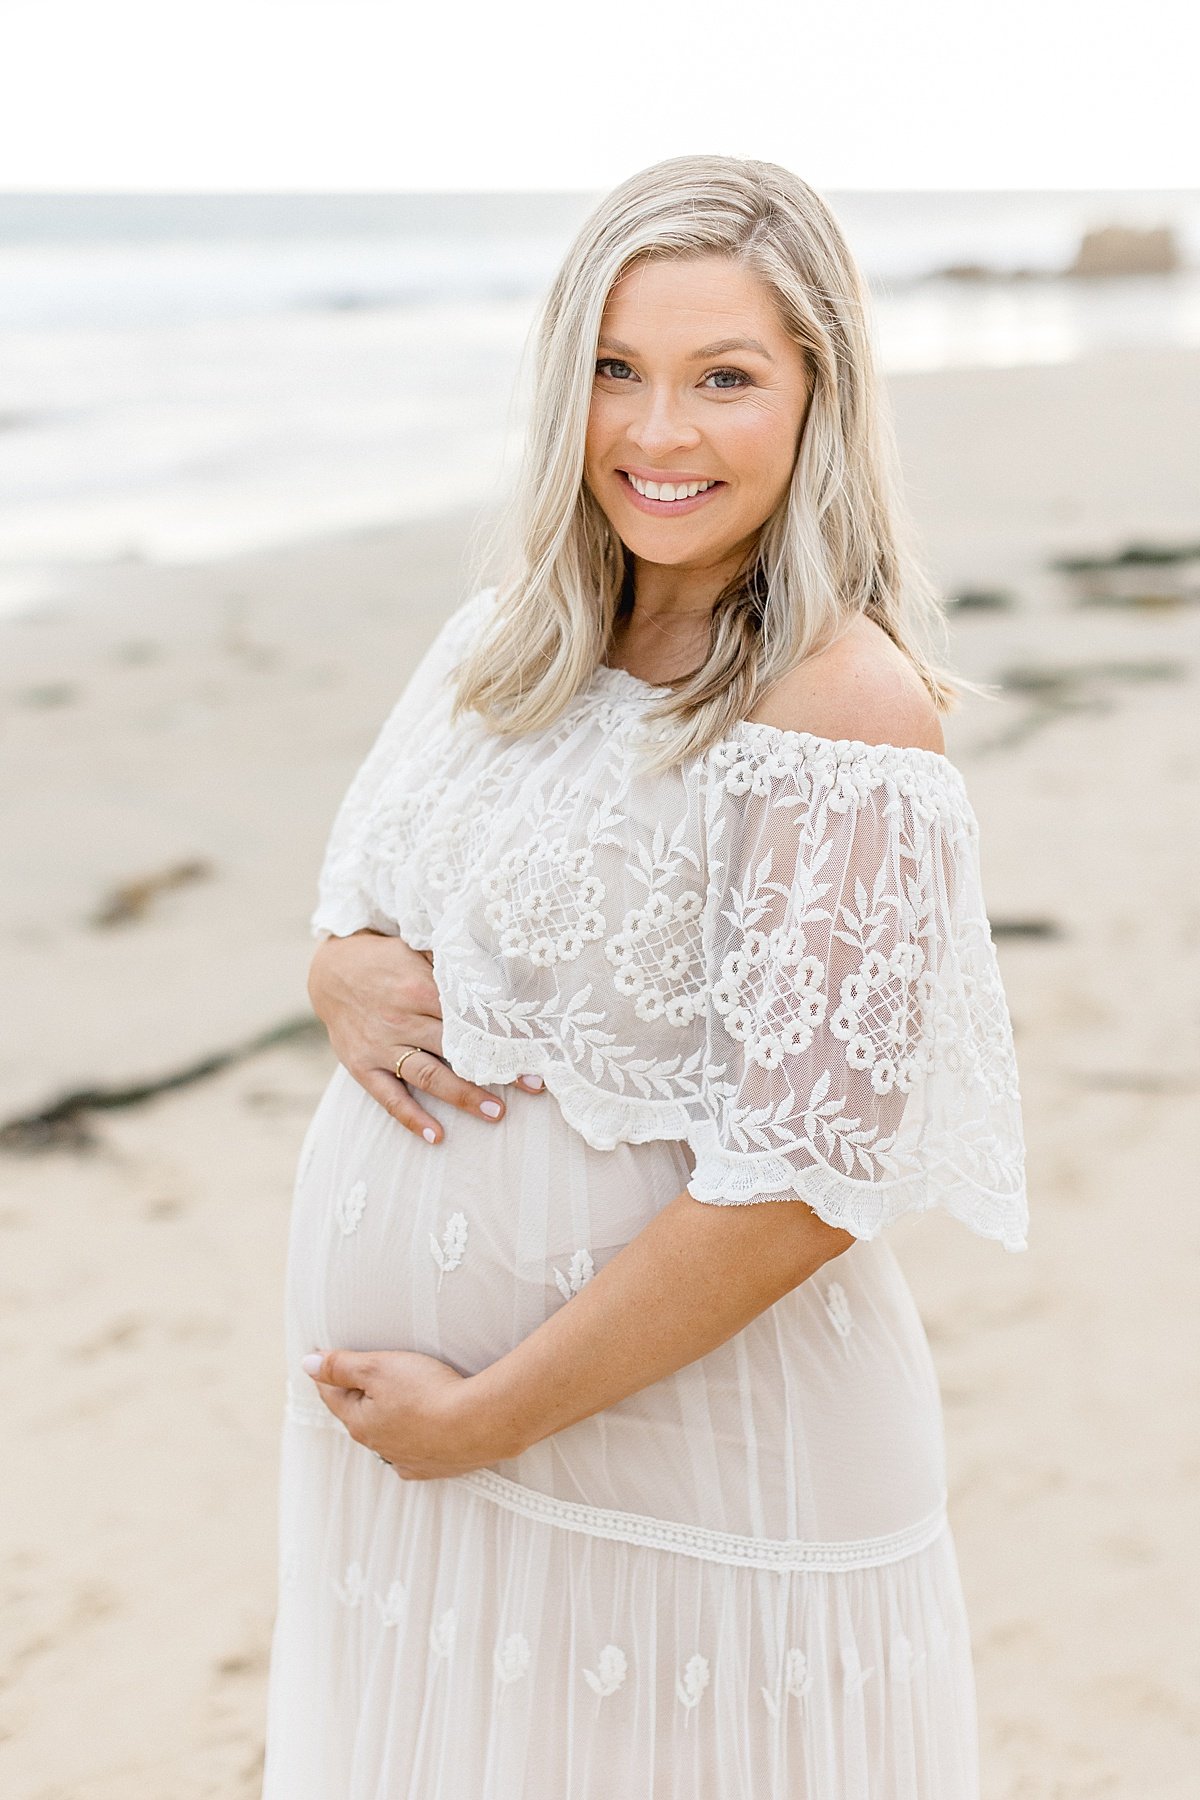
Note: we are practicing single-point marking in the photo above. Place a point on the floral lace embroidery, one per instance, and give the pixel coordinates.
(350, 1208)
(838, 1308)
(796, 1681)
(512, 1658)
(391, 1607)
(691, 1684)
(351, 1588)
(884, 1007)
(450, 1252)
(658, 952)
(543, 900)
(581, 1270)
(441, 1635)
(781, 1023)
(609, 1673)
(903, 1662)
(776, 952)
(853, 1673)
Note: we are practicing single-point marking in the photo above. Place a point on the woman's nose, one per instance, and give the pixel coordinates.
(663, 425)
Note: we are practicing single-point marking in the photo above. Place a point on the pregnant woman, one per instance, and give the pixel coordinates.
(613, 1464)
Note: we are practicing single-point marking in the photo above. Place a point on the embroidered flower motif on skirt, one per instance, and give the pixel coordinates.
(609, 1673)
(903, 1662)
(351, 1588)
(838, 1308)
(512, 1658)
(692, 1683)
(441, 1635)
(391, 1608)
(795, 1680)
(580, 1270)
(450, 1252)
(350, 1208)
(853, 1673)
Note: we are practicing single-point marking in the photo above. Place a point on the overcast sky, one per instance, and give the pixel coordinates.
(329, 95)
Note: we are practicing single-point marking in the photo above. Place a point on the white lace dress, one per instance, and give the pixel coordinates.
(765, 974)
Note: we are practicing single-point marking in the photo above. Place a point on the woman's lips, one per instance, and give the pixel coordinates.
(667, 508)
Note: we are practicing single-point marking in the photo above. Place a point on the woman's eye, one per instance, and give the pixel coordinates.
(609, 364)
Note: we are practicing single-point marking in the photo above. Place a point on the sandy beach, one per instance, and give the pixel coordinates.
(176, 741)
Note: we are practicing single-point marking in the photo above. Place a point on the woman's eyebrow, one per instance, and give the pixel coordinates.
(717, 349)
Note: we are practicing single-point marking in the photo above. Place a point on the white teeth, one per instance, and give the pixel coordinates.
(668, 490)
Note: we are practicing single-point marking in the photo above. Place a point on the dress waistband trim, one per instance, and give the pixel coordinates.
(698, 1540)
(686, 1540)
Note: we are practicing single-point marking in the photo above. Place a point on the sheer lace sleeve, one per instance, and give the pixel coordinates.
(859, 1046)
(344, 902)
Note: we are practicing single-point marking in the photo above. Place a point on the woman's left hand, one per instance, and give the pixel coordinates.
(411, 1409)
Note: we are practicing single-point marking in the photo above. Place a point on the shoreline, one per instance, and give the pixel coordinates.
(1077, 399)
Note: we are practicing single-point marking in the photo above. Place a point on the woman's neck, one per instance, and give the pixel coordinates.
(656, 651)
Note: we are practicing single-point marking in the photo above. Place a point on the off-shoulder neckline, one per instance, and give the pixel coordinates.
(623, 682)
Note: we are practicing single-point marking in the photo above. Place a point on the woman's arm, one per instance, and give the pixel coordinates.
(693, 1277)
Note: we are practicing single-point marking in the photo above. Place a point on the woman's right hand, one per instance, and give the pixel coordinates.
(375, 996)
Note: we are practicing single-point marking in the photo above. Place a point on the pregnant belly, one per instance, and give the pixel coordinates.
(462, 1248)
(820, 1420)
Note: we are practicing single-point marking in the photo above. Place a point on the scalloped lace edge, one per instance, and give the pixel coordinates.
(604, 1121)
(999, 1217)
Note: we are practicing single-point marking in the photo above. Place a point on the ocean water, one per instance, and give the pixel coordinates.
(185, 377)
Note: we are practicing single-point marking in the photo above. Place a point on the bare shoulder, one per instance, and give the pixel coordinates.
(859, 687)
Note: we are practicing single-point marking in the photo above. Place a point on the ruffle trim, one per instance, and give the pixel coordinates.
(730, 1178)
(722, 1177)
(649, 1533)
(786, 749)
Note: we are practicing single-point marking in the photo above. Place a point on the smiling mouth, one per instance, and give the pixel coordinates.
(681, 501)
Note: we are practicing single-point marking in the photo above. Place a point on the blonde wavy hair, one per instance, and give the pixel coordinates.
(836, 546)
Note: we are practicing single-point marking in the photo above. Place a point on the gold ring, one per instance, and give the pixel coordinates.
(413, 1052)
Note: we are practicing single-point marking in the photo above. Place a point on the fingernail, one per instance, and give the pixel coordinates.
(492, 1108)
(532, 1081)
(310, 1364)
(429, 1134)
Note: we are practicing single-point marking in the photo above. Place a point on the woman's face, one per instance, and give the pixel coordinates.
(696, 381)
